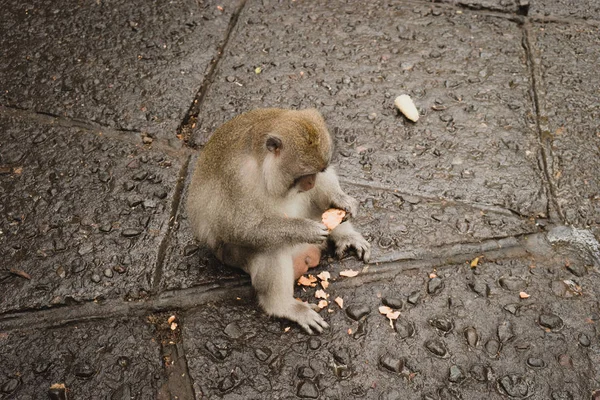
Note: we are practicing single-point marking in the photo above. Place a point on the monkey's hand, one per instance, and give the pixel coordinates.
(346, 238)
(346, 203)
(301, 313)
(310, 231)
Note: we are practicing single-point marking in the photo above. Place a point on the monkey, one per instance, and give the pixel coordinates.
(256, 196)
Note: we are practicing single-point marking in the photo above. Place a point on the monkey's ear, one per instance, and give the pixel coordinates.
(274, 144)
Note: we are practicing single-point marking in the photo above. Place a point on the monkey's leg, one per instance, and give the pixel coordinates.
(307, 256)
(346, 238)
(273, 279)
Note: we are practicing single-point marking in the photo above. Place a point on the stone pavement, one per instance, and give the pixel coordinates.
(492, 196)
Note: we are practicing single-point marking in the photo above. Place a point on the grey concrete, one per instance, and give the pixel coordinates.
(103, 107)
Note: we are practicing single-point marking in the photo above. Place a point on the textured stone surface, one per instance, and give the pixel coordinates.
(569, 64)
(514, 355)
(586, 9)
(99, 360)
(479, 146)
(82, 215)
(132, 65)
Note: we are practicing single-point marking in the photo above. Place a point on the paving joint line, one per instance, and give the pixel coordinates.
(543, 130)
(190, 120)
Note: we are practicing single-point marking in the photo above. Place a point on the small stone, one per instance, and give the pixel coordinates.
(105, 227)
(515, 386)
(404, 328)
(358, 311)
(393, 302)
(96, 278)
(411, 199)
(536, 362)
(119, 269)
(122, 393)
(481, 373)
(481, 288)
(84, 371)
(584, 340)
(134, 201)
(492, 347)
(140, 176)
(85, 248)
(471, 336)
(551, 321)
(190, 249)
(149, 204)
(307, 390)
(233, 330)
(147, 140)
(314, 343)
(437, 348)
(435, 285)
(104, 176)
(361, 330)
(108, 273)
(58, 392)
(505, 331)
(512, 308)
(414, 298)
(391, 363)
(306, 373)
(391, 395)
(60, 271)
(226, 384)
(160, 193)
(77, 266)
(230, 78)
(577, 270)
(456, 375)
(512, 283)
(128, 186)
(10, 386)
(443, 325)
(565, 360)
(561, 395)
(262, 353)
(220, 353)
(131, 232)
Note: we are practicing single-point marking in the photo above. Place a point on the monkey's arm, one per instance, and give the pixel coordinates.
(272, 231)
(328, 193)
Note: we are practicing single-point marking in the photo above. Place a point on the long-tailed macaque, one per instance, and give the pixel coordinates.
(256, 198)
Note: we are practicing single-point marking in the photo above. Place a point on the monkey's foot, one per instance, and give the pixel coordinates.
(356, 241)
(299, 312)
(308, 258)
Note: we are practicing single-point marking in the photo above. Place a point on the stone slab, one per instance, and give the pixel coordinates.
(571, 90)
(82, 215)
(131, 65)
(115, 360)
(585, 9)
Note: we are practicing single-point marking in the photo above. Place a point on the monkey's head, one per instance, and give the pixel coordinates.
(296, 148)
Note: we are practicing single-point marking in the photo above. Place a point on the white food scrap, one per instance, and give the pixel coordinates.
(524, 295)
(322, 304)
(320, 294)
(349, 273)
(309, 280)
(339, 301)
(407, 107)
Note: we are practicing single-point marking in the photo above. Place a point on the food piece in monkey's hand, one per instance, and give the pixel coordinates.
(309, 258)
(333, 217)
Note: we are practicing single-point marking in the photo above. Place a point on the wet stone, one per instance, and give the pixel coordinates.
(565, 360)
(435, 285)
(515, 386)
(233, 330)
(505, 331)
(96, 278)
(391, 363)
(58, 394)
(306, 373)
(131, 232)
(262, 353)
(404, 328)
(108, 273)
(577, 270)
(481, 373)
(551, 321)
(561, 395)
(84, 371)
(584, 340)
(512, 308)
(307, 390)
(512, 283)
(456, 375)
(471, 336)
(314, 343)
(358, 311)
(443, 325)
(10, 386)
(226, 384)
(492, 347)
(140, 176)
(122, 393)
(361, 330)
(414, 298)
(536, 362)
(393, 302)
(216, 352)
(437, 348)
(190, 249)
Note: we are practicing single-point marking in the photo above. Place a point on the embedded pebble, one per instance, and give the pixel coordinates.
(190, 249)
(391, 363)
(492, 347)
(130, 232)
(512, 308)
(515, 386)
(216, 352)
(456, 375)
(140, 176)
(481, 373)
(391, 395)
(96, 278)
(536, 362)
(565, 360)
(471, 336)
(481, 288)
(561, 395)
(226, 384)
(84, 371)
(233, 330)
(357, 311)
(505, 331)
(551, 321)
(10, 386)
(262, 353)
(108, 273)
(578, 270)
(392, 302)
(307, 390)
(443, 325)
(404, 328)
(437, 348)
(512, 283)
(435, 285)
(584, 340)
(414, 298)
(122, 393)
(314, 343)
